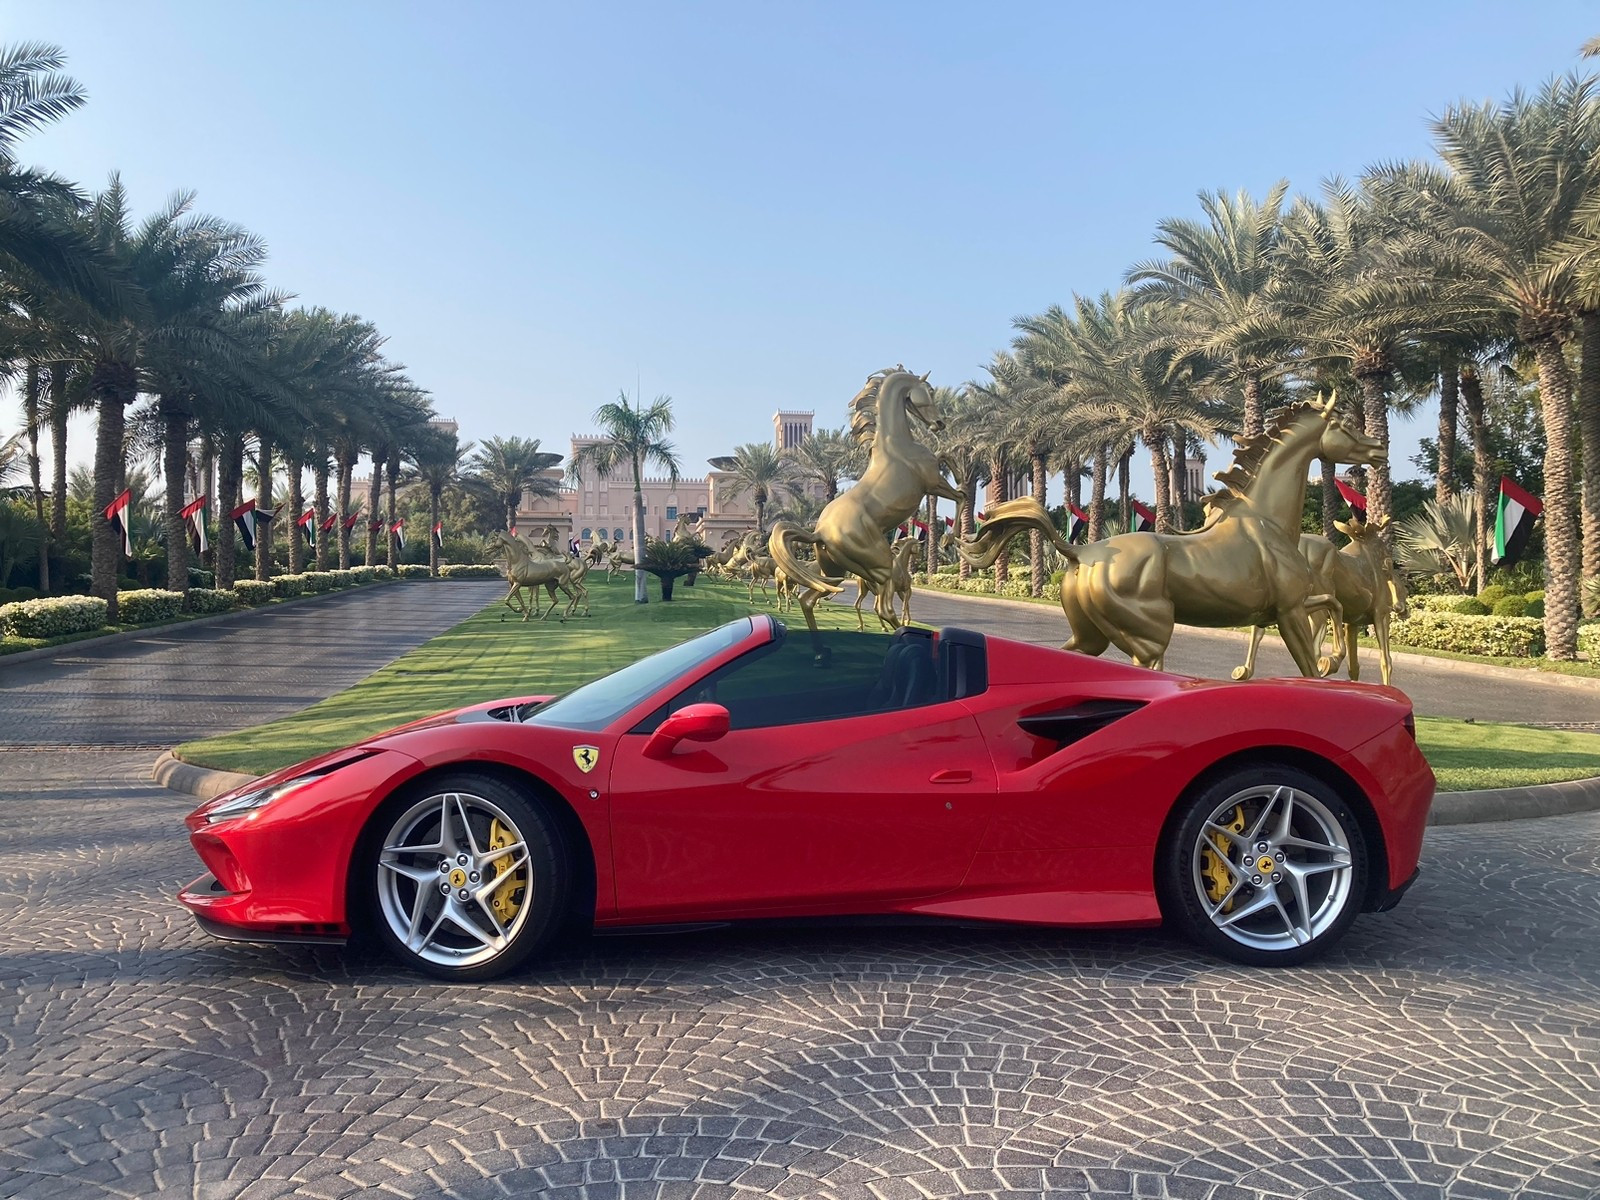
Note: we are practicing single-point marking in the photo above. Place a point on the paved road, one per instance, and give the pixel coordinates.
(1436, 687)
(1449, 1051)
(185, 682)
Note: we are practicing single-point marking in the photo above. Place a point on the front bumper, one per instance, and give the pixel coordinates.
(223, 914)
(1389, 897)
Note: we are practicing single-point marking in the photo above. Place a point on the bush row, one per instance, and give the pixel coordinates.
(52, 616)
(1589, 641)
(1018, 587)
(469, 571)
(1463, 633)
(148, 604)
(1492, 601)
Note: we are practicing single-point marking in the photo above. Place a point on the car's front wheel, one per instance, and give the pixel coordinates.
(1266, 865)
(467, 877)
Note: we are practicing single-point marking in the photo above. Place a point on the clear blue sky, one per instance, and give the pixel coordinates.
(745, 206)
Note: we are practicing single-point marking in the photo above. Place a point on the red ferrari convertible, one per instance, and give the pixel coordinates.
(752, 772)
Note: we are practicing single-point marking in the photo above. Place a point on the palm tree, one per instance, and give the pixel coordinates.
(436, 464)
(1514, 201)
(761, 470)
(506, 468)
(826, 456)
(632, 435)
(1221, 287)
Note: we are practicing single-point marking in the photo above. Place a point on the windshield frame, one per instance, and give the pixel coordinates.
(647, 682)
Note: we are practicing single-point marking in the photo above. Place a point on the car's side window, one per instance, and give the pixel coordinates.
(802, 679)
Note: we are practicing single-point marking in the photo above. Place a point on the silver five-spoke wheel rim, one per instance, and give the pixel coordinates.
(455, 883)
(1272, 867)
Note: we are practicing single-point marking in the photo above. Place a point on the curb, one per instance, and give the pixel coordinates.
(1449, 808)
(1489, 670)
(129, 635)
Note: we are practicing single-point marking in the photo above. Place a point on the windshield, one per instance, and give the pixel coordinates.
(595, 705)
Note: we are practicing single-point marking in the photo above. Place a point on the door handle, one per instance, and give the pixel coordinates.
(950, 777)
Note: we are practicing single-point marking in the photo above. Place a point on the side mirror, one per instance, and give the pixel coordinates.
(693, 722)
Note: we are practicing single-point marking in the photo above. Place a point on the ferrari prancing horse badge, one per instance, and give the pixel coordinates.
(587, 757)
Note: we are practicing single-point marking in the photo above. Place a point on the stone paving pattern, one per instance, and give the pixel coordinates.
(1450, 1048)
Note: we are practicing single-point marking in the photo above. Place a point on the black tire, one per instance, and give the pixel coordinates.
(1212, 875)
(515, 919)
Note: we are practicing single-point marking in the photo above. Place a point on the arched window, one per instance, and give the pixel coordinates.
(619, 535)
(586, 533)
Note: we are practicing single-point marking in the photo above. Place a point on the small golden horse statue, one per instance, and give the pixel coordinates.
(1366, 589)
(851, 536)
(905, 552)
(532, 566)
(1242, 567)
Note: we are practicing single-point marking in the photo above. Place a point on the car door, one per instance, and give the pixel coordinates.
(835, 815)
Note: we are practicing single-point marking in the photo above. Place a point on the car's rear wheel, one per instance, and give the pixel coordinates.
(467, 877)
(1265, 865)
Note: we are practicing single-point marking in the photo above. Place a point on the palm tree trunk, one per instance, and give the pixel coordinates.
(207, 486)
(1561, 544)
(230, 473)
(1330, 498)
(996, 497)
(639, 596)
(291, 461)
(374, 498)
(1472, 397)
(320, 475)
(392, 555)
(175, 469)
(969, 490)
(58, 451)
(932, 548)
(1179, 474)
(1123, 483)
(1589, 441)
(1449, 415)
(1161, 468)
(30, 404)
(264, 508)
(1097, 493)
(347, 466)
(1375, 419)
(1254, 416)
(1036, 537)
(114, 386)
(433, 523)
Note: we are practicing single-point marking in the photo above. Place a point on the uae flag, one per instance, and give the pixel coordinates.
(1143, 519)
(194, 513)
(1356, 501)
(328, 523)
(308, 522)
(438, 534)
(399, 532)
(246, 517)
(1078, 527)
(949, 522)
(121, 518)
(921, 528)
(350, 521)
(1513, 522)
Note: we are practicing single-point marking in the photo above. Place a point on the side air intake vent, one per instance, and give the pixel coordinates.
(1067, 725)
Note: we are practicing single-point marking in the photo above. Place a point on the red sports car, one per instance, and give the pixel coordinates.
(753, 772)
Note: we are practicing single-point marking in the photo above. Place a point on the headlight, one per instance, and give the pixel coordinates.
(256, 798)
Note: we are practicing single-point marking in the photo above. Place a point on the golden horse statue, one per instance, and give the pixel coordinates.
(851, 537)
(904, 553)
(532, 566)
(1242, 567)
(1366, 590)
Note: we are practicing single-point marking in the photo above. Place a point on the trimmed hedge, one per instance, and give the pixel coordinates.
(53, 616)
(344, 578)
(1498, 637)
(469, 571)
(316, 582)
(383, 571)
(211, 600)
(1471, 606)
(288, 585)
(1510, 606)
(1589, 641)
(254, 592)
(413, 571)
(364, 574)
(148, 604)
(1018, 587)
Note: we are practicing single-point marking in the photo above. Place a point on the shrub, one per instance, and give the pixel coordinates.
(414, 571)
(1493, 594)
(363, 574)
(1498, 637)
(1589, 641)
(53, 616)
(210, 600)
(148, 604)
(199, 578)
(1536, 596)
(1510, 606)
(383, 571)
(1471, 606)
(469, 571)
(317, 581)
(345, 578)
(288, 585)
(254, 592)
(1535, 609)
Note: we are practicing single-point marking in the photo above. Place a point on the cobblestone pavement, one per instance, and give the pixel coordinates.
(1450, 1049)
(1437, 688)
(185, 682)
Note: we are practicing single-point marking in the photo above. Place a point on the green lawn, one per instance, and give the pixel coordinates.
(486, 657)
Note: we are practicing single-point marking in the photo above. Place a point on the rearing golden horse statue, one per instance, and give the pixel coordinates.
(1243, 567)
(852, 530)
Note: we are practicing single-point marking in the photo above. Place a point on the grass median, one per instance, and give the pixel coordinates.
(494, 654)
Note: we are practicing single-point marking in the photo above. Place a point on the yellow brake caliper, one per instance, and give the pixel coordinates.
(1215, 862)
(507, 898)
